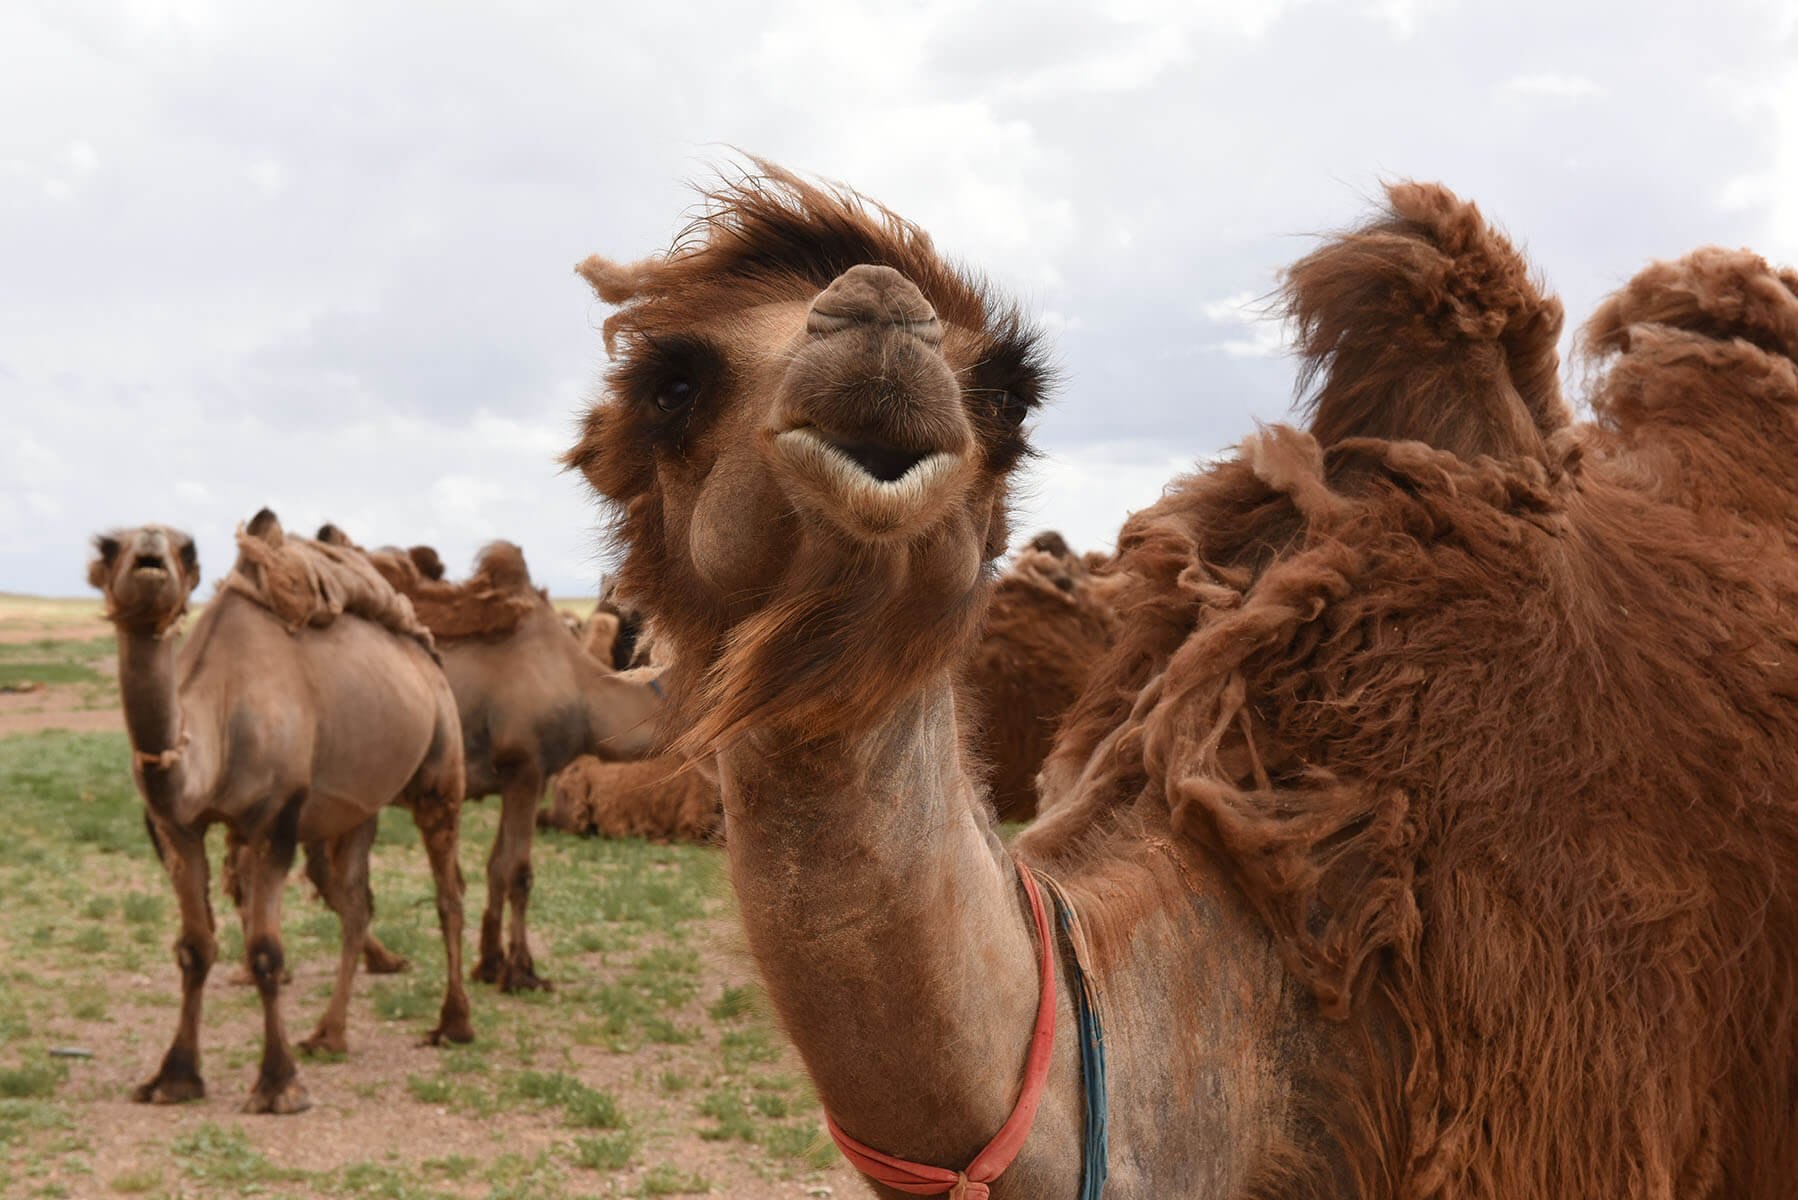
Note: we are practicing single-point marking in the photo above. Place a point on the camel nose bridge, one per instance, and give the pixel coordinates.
(872, 295)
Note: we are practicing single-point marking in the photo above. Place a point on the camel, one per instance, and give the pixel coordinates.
(658, 798)
(531, 701)
(288, 727)
(1049, 623)
(1431, 829)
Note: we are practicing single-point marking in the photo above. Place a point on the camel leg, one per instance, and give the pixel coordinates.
(320, 862)
(340, 871)
(512, 855)
(278, 1088)
(184, 856)
(436, 818)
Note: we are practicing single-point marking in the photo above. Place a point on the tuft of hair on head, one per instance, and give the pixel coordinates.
(615, 283)
(1713, 292)
(501, 566)
(1425, 325)
(1051, 542)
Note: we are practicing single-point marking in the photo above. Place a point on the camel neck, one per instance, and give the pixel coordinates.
(889, 925)
(152, 708)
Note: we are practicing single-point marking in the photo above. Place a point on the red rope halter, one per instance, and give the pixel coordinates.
(921, 1179)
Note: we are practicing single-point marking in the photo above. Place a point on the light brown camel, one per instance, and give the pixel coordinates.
(287, 731)
(1431, 831)
(654, 798)
(1050, 622)
(531, 701)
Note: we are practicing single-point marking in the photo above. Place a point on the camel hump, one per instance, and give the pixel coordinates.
(500, 566)
(1425, 325)
(266, 526)
(1716, 293)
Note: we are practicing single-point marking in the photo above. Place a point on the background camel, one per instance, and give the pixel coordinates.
(1431, 829)
(304, 701)
(1050, 621)
(531, 701)
(657, 798)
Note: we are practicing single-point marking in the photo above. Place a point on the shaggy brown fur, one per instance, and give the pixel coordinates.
(656, 798)
(599, 638)
(313, 582)
(1050, 623)
(488, 604)
(828, 648)
(1494, 725)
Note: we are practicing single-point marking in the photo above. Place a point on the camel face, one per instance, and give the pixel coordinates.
(806, 401)
(147, 573)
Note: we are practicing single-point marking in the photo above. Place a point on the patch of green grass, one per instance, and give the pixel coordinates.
(664, 1180)
(136, 1181)
(585, 1107)
(32, 1081)
(612, 1152)
(453, 1167)
(804, 1142)
(91, 940)
(142, 908)
(412, 997)
(212, 1153)
(47, 671)
(734, 1003)
(673, 1082)
(726, 1107)
(743, 1048)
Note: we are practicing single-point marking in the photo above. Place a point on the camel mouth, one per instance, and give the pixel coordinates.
(869, 486)
(887, 464)
(150, 562)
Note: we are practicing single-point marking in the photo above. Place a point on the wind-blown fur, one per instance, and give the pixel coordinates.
(1050, 622)
(1491, 719)
(806, 656)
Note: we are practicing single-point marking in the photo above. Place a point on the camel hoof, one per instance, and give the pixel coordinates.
(458, 1031)
(523, 979)
(490, 970)
(169, 1091)
(386, 964)
(284, 1103)
(325, 1043)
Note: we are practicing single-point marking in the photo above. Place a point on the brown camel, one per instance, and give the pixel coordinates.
(1050, 622)
(531, 702)
(1432, 829)
(654, 798)
(287, 728)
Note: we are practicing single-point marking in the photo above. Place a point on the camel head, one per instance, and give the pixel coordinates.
(806, 437)
(147, 574)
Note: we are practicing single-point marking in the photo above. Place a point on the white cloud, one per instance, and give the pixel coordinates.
(1553, 85)
(1265, 337)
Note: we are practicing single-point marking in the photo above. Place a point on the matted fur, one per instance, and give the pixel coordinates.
(309, 582)
(1501, 743)
(805, 656)
(488, 604)
(1050, 622)
(661, 799)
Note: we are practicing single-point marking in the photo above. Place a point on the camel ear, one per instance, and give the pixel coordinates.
(331, 535)
(106, 551)
(190, 559)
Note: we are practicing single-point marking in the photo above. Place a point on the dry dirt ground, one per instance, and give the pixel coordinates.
(653, 1068)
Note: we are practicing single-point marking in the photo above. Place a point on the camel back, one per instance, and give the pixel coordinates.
(308, 583)
(491, 603)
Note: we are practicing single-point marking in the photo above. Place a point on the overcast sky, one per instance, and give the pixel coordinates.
(319, 256)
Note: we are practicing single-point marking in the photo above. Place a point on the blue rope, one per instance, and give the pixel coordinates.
(1095, 1159)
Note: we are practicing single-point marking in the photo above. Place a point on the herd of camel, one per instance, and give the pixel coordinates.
(1412, 796)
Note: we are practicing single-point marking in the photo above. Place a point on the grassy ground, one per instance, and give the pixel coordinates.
(652, 1070)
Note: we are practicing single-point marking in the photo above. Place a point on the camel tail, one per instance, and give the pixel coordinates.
(1425, 325)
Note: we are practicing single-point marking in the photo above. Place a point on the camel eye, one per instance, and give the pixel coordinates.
(1012, 408)
(674, 395)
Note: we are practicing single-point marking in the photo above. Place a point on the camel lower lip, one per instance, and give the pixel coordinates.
(831, 469)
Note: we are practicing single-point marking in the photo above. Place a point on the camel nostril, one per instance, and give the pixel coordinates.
(873, 295)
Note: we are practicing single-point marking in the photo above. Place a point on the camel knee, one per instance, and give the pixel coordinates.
(520, 885)
(267, 963)
(195, 954)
